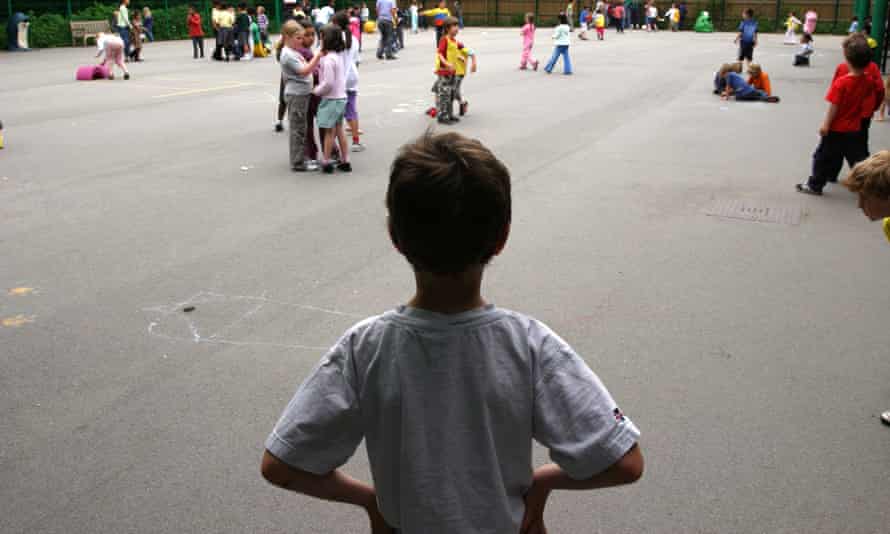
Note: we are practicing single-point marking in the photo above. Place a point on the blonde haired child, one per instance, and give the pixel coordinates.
(759, 79)
(113, 47)
(296, 73)
(870, 179)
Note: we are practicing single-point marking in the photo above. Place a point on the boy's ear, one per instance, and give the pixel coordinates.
(503, 241)
(392, 235)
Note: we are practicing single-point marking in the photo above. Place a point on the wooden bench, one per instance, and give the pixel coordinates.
(84, 29)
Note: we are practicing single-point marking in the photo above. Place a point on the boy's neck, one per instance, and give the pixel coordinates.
(449, 294)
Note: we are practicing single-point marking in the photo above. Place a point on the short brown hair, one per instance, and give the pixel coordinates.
(871, 177)
(449, 203)
(856, 51)
(449, 22)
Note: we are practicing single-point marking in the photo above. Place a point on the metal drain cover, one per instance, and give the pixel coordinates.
(752, 211)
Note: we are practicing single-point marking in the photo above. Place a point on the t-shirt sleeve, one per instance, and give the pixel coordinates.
(321, 426)
(443, 46)
(836, 92)
(575, 417)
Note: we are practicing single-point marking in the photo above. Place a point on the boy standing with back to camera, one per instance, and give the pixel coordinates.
(448, 391)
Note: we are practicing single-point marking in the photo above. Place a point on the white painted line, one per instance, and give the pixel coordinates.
(206, 90)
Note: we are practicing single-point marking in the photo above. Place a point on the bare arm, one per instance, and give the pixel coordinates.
(334, 486)
(310, 67)
(551, 477)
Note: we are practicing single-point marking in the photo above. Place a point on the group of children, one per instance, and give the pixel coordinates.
(319, 88)
(241, 34)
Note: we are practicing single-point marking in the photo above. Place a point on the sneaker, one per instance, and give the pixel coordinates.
(535, 66)
(111, 76)
(303, 167)
(357, 147)
(885, 418)
(126, 75)
(463, 108)
(807, 190)
(327, 168)
(444, 120)
(279, 127)
(345, 167)
(772, 99)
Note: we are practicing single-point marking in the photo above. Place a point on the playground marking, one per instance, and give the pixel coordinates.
(205, 90)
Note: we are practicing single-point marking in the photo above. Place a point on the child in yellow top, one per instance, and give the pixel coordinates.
(447, 59)
(599, 22)
(460, 71)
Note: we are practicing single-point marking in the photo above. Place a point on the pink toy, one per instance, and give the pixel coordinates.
(92, 72)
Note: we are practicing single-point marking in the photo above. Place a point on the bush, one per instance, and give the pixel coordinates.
(49, 30)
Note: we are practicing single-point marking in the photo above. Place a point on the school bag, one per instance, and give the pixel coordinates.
(92, 72)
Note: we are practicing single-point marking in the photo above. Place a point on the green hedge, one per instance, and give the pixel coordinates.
(52, 30)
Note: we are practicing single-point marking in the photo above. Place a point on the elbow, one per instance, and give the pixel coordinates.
(273, 470)
(630, 467)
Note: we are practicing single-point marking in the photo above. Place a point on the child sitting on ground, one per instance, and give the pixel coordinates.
(448, 391)
(743, 92)
(759, 79)
(802, 58)
(720, 80)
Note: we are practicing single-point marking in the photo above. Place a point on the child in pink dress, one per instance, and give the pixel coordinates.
(528, 41)
(810, 20)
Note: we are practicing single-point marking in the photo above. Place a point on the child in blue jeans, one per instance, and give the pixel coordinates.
(738, 87)
(561, 41)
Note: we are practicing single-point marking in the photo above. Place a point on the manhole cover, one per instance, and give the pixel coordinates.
(752, 211)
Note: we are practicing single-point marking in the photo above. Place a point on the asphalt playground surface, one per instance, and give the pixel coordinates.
(752, 355)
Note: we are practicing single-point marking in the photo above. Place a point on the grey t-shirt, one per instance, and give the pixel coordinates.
(294, 82)
(448, 406)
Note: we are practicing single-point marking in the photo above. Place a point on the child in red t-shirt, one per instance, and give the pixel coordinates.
(873, 74)
(849, 95)
(196, 31)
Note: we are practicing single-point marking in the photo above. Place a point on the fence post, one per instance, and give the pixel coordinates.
(68, 9)
(169, 30)
(496, 12)
(278, 15)
(879, 26)
(837, 13)
(778, 16)
(722, 15)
